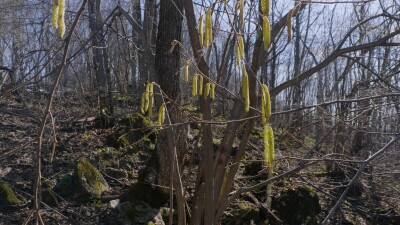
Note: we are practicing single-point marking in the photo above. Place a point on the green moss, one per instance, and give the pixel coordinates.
(88, 181)
(134, 132)
(7, 196)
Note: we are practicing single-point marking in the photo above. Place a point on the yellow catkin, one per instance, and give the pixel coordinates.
(266, 32)
(241, 47)
(237, 51)
(263, 108)
(207, 91)
(186, 77)
(61, 22)
(245, 89)
(265, 7)
(270, 149)
(212, 91)
(54, 16)
(265, 139)
(267, 103)
(208, 33)
(289, 25)
(147, 97)
(201, 31)
(200, 85)
(241, 6)
(194, 85)
(161, 114)
(142, 103)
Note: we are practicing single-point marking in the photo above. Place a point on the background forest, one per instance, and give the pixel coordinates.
(199, 112)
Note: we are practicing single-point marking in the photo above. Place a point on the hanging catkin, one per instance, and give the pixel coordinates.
(265, 104)
(212, 91)
(266, 32)
(54, 16)
(61, 22)
(201, 31)
(186, 77)
(245, 89)
(200, 85)
(237, 52)
(241, 47)
(270, 149)
(207, 91)
(265, 7)
(208, 33)
(161, 114)
(241, 6)
(194, 85)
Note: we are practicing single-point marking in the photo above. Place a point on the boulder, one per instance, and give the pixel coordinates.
(7, 196)
(297, 206)
(88, 181)
(137, 212)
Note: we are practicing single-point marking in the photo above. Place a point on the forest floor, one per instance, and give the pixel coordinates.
(76, 139)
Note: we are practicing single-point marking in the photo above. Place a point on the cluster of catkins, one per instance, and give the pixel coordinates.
(57, 18)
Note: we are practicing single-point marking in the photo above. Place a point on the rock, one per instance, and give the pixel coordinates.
(49, 198)
(7, 196)
(152, 195)
(135, 133)
(64, 187)
(297, 206)
(137, 212)
(242, 212)
(88, 181)
(114, 203)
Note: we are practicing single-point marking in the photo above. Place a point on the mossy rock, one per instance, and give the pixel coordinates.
(7, 196)
(134, 132)
(137, 212)
(242, 212)
(152, 195)
(297, 206)
(65, 187)
(88, 181)
(49, 198)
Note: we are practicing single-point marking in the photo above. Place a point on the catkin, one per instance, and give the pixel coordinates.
(201, 31)
(54, 16)
(147, 97)
(207, 91)
(289, 25)
(194, 85)
(265, 139)
(200, 85)
(61, 22)
(161, 114)
(245, 89)
(212, 91)
(237, 51)
(142, 103)
(265, 7)
(208, 33)
(266, 104)
(187, 70)
(266, 32)
(241, 6)
(241, 47)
